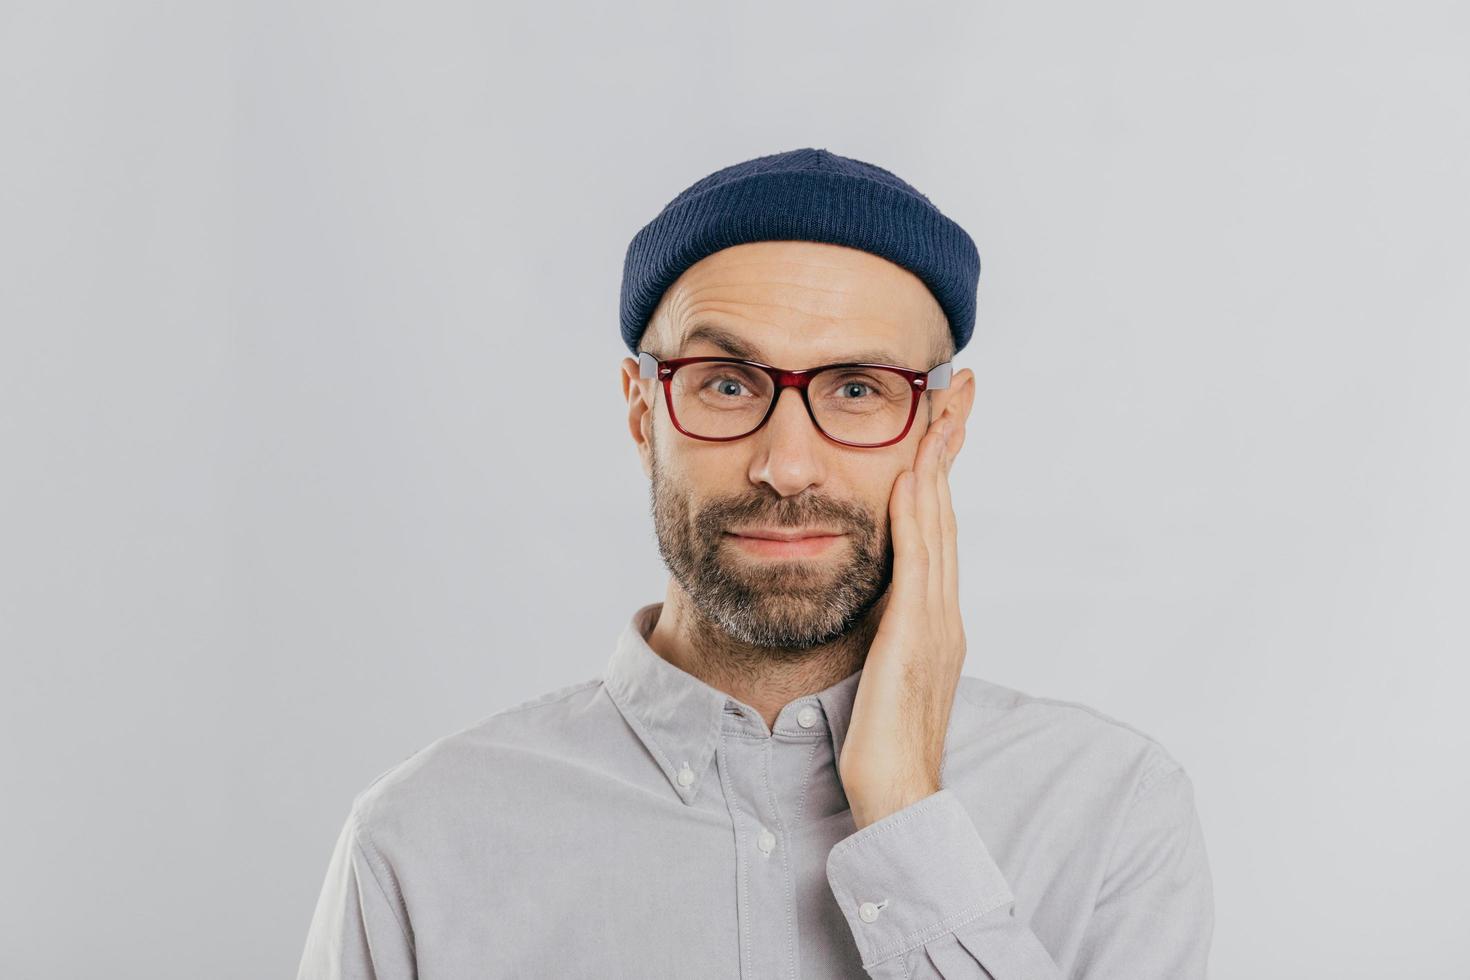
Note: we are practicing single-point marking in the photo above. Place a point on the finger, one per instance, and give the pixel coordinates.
(949, 532)
(910, 557)
(927, 506)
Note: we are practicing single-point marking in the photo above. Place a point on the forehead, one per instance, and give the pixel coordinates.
(783, 302)
(708, 333)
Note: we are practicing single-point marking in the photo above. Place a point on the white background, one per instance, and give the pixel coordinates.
(312, 446)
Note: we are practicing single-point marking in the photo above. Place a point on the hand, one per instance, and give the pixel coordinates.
(895, 739)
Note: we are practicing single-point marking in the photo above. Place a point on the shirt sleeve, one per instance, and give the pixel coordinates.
(1155, 913)
(924, 898)
(360, 929)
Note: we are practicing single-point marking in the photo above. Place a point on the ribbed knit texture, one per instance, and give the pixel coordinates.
(809, 195)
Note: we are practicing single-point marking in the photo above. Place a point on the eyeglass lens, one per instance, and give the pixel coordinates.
(723, 400)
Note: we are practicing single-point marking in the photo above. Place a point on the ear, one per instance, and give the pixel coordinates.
(954, 404)
(640, 394)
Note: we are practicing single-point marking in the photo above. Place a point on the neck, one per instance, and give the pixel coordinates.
(767, 679)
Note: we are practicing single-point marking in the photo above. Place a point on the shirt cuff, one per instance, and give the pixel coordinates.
(916, 874)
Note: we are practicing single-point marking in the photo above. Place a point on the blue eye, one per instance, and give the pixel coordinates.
(716, 381)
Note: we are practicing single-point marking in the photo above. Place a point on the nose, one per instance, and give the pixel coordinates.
(788, 452)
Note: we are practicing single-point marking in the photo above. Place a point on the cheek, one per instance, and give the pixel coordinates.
(870, 490)
(871, 479)
(703, 471)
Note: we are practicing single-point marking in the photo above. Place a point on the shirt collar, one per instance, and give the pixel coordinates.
(679, 717)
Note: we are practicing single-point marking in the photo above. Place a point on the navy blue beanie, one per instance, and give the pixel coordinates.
(808, 195)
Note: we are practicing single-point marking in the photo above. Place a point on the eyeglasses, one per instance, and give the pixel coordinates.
(723, 398)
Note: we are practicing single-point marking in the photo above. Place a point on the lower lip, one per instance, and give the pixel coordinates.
(800, 548)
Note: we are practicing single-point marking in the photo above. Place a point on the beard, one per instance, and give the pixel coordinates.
(786, 603)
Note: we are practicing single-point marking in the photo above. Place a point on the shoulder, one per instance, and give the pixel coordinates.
(467, 769)
(1058, 738)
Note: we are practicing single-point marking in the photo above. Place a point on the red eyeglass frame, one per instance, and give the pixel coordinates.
(935, 378)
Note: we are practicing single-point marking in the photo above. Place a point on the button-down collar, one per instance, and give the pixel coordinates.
(679, 717)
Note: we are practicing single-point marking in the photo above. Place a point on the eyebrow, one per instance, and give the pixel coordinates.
(737, 346)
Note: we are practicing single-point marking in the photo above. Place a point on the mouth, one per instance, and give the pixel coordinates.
(799, 544)
(786, 534)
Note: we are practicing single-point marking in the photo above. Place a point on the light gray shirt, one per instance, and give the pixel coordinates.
(643, 824)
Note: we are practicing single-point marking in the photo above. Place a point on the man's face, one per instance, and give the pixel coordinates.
(794, 304)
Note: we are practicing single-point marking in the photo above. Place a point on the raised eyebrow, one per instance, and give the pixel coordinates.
(721, 338)
(736, 346)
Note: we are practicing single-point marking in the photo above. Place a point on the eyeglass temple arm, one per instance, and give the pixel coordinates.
(938, 377)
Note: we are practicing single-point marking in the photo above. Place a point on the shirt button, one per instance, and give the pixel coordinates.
(766, 841)
(868, 911)
(806, 717)
(686, 775)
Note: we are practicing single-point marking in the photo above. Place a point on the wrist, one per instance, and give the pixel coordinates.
(868, 810)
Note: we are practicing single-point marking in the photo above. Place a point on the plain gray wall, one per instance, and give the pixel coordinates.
(314, 448)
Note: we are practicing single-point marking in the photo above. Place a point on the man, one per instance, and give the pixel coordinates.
(782, 772)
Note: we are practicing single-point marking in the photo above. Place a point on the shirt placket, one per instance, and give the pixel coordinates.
(765, 890)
